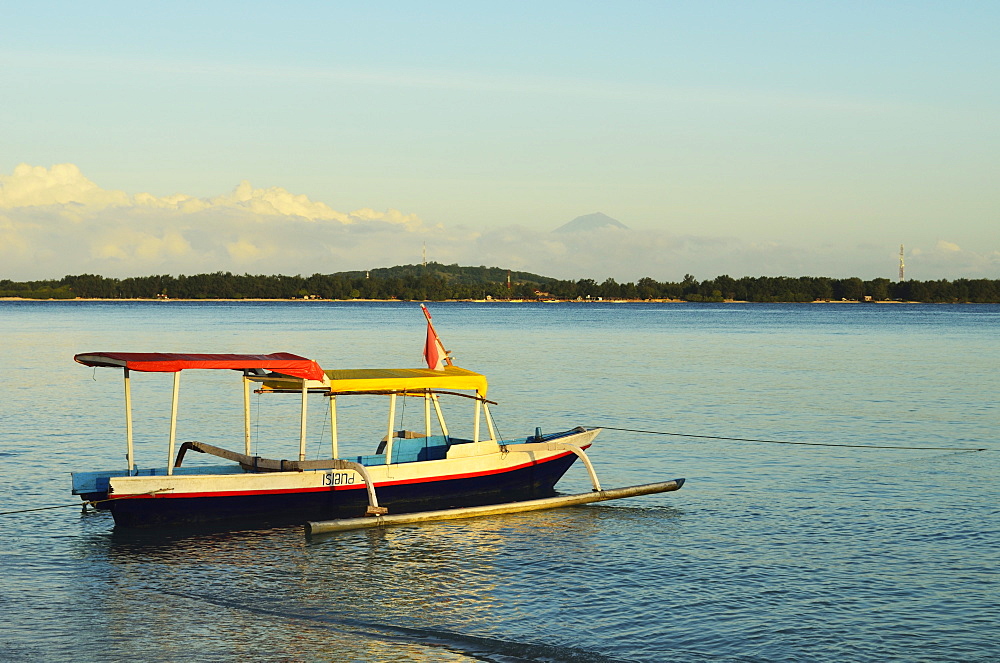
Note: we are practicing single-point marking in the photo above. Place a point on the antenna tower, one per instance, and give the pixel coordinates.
(425, 254)
(901, 265)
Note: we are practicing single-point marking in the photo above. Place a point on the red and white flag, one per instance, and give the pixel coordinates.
(434, 351)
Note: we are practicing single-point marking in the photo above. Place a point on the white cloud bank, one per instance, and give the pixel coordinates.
(54, 221)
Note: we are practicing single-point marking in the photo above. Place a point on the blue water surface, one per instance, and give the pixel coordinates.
(770, 552)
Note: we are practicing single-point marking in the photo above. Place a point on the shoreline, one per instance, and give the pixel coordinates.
(472, 301)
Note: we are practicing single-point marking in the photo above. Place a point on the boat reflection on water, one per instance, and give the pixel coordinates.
(432, 592)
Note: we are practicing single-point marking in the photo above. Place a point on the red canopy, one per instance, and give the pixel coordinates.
(171, 362)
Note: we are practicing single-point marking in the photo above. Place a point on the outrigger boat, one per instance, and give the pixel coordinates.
(416, 473)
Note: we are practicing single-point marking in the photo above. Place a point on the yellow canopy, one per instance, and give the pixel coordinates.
(388, 379)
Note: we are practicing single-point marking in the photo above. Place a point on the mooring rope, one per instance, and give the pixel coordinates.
(84, 504)
(44, 508)
(808, 444)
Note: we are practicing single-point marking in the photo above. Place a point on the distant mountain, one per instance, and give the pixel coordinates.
(452, 274)
(594, 221)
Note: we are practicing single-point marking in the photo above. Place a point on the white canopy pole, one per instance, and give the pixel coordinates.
(440, 416)
(333, 426)
(427, 414)
(392, 421)
(173, 423)
(246, 414)
(489, 422)
(129, 450)
(302, 425)
(475, 422)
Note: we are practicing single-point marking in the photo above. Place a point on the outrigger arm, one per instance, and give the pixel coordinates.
(256, 463)
(586, 461)
(373, 508)
(555, 446)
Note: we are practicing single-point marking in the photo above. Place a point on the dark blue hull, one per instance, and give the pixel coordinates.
(269, 510)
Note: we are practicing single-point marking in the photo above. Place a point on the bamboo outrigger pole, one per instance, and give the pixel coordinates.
(491, 509)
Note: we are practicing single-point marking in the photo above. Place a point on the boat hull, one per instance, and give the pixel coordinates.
(297, 507)
(289, 498)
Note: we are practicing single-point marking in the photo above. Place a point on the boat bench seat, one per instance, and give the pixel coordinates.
(411, 450)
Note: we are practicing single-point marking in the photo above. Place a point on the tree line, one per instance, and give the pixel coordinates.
(446, 282)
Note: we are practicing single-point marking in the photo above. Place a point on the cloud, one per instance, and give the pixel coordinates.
(63, 184)
(143, 246)
(631, 255)
(276, 201)
(55, 221)
(242, 251)
(948, 260)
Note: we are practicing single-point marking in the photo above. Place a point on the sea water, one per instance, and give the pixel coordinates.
(770, 552)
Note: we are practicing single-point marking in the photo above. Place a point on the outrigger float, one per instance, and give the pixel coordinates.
(410, 477)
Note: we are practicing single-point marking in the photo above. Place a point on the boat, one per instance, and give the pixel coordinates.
(406, 472)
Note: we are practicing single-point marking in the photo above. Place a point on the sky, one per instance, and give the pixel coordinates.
(743, 138)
